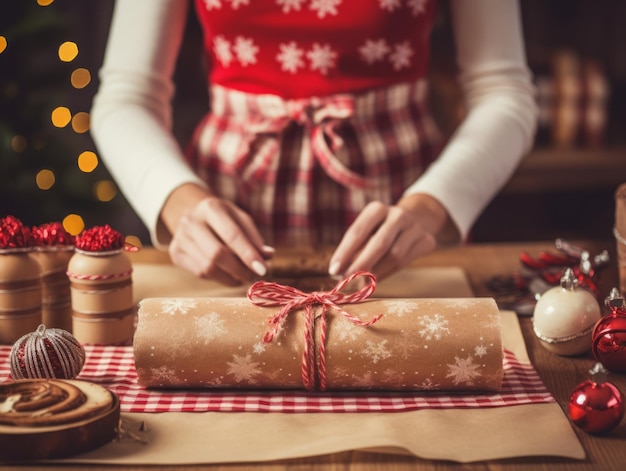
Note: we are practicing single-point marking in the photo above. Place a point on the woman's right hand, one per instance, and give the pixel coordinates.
(215, 239)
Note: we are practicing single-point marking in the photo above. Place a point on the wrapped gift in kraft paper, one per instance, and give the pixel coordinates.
(281, 338)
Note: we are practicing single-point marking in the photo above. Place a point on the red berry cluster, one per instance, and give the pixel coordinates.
(100, 239)
(51, 234)
(13, 234)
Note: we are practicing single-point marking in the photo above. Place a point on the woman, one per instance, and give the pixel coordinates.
(318, 131)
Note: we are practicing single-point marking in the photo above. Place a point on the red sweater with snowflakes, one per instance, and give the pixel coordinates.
(322, 46)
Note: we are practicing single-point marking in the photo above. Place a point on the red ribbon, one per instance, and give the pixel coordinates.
(267, 294)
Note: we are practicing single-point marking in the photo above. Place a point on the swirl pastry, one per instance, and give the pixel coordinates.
(50, 418)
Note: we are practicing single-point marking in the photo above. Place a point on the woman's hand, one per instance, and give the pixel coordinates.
(385, 238)
(215, 239)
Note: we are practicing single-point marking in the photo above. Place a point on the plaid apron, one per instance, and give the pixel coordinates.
(304, 168)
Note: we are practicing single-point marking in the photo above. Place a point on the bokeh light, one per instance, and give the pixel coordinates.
(68, 51)
(19, 144)
(73, 224)
(80, 78)
(87, 161)
(80, 122)
(45, 179)
(3, 44)
(44, 3)
(61, 116)
(105, 190)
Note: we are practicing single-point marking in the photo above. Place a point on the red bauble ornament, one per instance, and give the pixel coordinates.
(609, 335)
(596, 407)
(47, 353)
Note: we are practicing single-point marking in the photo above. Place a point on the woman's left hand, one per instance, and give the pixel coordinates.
(385, 238)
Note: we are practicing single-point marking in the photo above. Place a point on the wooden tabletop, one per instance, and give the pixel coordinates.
(560, 374)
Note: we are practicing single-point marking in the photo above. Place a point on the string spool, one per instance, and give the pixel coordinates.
(53, 249)
(103, 309)
(20, 285)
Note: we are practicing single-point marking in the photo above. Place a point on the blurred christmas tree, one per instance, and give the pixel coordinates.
(48, 166)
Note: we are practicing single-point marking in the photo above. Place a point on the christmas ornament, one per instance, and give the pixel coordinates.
(20, 286)
(53, 249)
(47, 353)
(103, 311)
(596, 407)
(564, 317)
(609, 335)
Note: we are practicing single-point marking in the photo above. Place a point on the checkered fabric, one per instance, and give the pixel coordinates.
(304, 168)
(114, 368)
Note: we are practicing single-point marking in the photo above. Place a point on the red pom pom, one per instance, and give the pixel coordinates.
(100, 239)
(13, 234)
(51, 234)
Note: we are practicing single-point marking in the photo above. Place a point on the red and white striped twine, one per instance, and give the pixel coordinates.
(80, 276)
(267, 294)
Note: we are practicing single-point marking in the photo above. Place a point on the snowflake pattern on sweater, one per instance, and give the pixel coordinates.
(353, 43)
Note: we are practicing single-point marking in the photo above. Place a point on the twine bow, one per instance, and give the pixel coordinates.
(266, 294)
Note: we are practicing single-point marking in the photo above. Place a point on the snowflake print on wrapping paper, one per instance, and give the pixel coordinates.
(177, 306)
(209, 327)
(163, 375)
(389, 5)
(346, 330)
(243, 369)
(288, 5)
(401, 55)
(221, 46)
(258, 348)
(376, 351)
(427, 385)
(322, 58)
(400, 308)
(290, 57)
(364, 381)
(374, 50)
(325, 7)
(463, 371)
(417, 6)
(212, 4)
(434, 327)
(245, 50)
(480, 351)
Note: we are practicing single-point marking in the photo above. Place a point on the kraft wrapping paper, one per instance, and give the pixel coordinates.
(459, 435)
(417, 344)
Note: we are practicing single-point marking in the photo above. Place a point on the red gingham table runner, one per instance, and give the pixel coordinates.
(114, 368)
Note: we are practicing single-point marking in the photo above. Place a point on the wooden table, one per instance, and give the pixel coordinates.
(560, 374)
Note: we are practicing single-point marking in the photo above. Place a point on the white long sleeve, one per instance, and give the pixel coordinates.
(132, 113)
(500, 123)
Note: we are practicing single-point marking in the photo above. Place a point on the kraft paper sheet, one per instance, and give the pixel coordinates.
(462, 435)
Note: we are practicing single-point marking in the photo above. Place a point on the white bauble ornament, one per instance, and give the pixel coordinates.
(564, 317)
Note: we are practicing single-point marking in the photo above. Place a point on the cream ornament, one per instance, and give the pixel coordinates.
(564, 317)
(47, 354)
